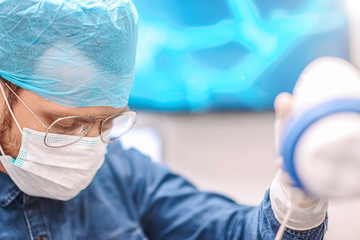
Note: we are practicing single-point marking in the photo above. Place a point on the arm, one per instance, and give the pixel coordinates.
(172, 208)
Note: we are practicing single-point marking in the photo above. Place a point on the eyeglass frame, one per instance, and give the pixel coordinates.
(95, 118)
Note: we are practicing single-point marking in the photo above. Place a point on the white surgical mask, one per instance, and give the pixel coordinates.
(57, 173)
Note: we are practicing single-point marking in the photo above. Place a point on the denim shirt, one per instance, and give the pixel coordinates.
(133, 198)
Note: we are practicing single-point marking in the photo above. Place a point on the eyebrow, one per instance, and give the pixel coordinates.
(55, 116)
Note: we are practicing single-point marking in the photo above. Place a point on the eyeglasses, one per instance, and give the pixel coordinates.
(111, 127)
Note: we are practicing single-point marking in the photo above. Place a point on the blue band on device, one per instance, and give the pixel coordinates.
(298, 125)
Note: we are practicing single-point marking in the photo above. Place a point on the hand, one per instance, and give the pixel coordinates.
(307, 212)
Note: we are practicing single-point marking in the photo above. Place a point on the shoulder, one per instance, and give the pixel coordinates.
(118, 156)
(135, 168)
(118, 173)
(123, 163)
(116, 152)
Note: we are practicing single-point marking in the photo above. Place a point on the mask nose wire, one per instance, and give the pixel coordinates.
(10, 110)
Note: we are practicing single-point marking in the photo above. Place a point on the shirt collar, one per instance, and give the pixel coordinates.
(8, 190)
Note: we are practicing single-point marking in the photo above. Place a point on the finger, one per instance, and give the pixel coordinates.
(283, 104)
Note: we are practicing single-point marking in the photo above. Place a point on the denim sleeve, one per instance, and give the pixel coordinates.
(172, 208)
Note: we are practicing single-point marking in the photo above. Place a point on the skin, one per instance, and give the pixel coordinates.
(47, 112)
(282, 105)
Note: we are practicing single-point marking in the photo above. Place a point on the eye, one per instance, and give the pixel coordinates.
(66, 124)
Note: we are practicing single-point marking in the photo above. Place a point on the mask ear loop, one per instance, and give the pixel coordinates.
(2, 152)
(10, 110)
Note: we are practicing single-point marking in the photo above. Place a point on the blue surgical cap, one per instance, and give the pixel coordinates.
(75, 53)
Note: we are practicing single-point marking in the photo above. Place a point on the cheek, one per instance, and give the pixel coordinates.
(10, 138)
(94, 131)
(15, 140)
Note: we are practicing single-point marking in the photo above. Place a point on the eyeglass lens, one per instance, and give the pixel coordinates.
(114, 127)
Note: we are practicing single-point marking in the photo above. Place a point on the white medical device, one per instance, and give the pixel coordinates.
(320, 143)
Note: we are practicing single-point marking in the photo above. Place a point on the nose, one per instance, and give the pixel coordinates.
(95, 129)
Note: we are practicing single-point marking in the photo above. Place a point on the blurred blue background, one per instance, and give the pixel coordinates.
(206, 55)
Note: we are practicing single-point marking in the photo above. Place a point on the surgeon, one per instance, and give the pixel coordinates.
(67, 68)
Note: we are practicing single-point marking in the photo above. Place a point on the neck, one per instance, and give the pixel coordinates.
(2, 169)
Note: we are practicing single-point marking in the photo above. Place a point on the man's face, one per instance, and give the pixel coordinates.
(46, 111)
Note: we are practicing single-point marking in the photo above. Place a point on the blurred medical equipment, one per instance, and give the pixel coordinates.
(320, 142)
(74, 53)
(320, 145)
(229, 55)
